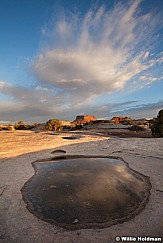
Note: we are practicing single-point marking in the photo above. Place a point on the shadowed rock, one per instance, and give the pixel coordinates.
(58, 151)
(72, 137)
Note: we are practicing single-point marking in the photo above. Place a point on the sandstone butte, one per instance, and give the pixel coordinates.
(85, 118)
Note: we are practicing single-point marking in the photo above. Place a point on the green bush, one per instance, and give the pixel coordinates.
(21, 126)
(157, 127)
(127, 121)
(54, 125)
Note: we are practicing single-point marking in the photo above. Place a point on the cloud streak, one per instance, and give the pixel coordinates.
(34, 103)
(102, 52)
(108, 52)
(40, 104)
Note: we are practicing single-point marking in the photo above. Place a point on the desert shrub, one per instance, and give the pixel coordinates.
(53, 125)
(85, 124)
(142, 123)
(157, 127)
(6, 128)
(11, 128)
(136, 128)
(65, 127)
(34, 125)
(126, 121)
(79, 122)
(21, 126)
(78, 126)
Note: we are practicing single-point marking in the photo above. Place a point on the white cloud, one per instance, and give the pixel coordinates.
(146, 55)
(36, 108)
(132, 109)
(105, 53)
(35, 103)
(149, 110)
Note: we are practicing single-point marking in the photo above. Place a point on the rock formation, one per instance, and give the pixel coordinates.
(82, 119)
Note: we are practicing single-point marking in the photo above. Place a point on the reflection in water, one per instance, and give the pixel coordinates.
(80, 192)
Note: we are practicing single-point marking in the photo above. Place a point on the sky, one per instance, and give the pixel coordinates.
(60, 58)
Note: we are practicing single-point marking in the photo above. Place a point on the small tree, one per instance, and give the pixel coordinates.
(157, 127)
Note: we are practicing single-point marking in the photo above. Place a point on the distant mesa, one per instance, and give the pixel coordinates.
(59, 125)
(82, 119)
(124, 120)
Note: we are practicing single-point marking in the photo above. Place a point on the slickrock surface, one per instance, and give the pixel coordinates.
(18, 149)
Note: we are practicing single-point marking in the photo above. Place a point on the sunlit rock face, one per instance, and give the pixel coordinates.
(85, 119)
(75, 192)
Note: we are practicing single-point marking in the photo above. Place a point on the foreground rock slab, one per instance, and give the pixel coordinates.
(20, 149)
(76, 192)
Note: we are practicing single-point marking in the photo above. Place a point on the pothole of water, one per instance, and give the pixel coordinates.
(76, 192)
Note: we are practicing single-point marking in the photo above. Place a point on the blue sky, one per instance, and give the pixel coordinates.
(59, 59)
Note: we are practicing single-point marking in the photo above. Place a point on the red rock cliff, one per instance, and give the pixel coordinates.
(85, 119)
